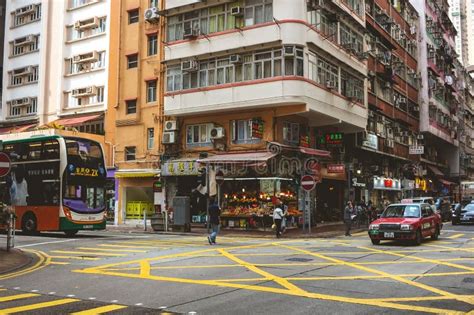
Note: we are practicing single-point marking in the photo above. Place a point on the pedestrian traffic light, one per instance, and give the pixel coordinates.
(202, 176)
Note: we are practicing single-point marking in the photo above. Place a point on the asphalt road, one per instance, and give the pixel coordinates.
(151, 274)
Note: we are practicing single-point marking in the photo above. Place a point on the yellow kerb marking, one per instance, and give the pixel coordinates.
(86, 253)
(74, 257)
(17, 297)
(36, 306)
(101, 310)
(455, 236)
(127, 246)
(59, 263)
(43, 261)
(113, 250)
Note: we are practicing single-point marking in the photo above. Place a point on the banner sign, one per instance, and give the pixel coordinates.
(417, 149)
(180, 168)
(336, 168)
(372, 142)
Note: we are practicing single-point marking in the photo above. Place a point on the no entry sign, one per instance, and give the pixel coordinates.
(5, 164)
(308, 182)
(219, 177)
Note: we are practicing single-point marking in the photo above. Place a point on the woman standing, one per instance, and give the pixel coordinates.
(278, 217)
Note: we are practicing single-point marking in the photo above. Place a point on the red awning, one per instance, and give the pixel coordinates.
(16, 128)
(75, 120)
(238, 158)
(435, 170)
(446, 182)
(315, 152)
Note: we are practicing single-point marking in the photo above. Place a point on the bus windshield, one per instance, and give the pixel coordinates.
(85, 197)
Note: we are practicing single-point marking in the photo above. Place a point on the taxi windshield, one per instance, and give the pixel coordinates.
(402, 211)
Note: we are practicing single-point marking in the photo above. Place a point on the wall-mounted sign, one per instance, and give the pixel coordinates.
(304, 141)
(180, 168)
(336, 168)
(157, 187)
(356, 183)
(334, 139)
(385, 183)
(408, 184)
(371, 141)
(417, 149)
(257, 128)
(421, 184)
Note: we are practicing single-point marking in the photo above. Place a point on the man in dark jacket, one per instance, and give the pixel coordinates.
(348, 210)
(214, 213)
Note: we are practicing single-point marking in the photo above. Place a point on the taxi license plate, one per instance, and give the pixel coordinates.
(87, 226)
(389, 234)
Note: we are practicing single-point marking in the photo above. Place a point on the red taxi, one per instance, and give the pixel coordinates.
(406, 221)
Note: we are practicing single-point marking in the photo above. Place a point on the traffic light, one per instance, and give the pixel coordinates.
(202, 177)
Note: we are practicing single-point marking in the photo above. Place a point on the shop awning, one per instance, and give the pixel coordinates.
(137, 174)
(446, 182)
(16, 128)
(76, 120)
(435, 170)
(276, 147)
(238, 158)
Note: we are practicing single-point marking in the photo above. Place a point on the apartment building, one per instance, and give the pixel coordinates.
(56, 64)
(2, 36)
(134, 117)
(258, 82)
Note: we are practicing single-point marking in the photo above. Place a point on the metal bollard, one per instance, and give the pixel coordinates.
(144, 219)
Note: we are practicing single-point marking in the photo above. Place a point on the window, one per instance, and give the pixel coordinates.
(95, 26)
(198, 134)
(152, 44)
(218, 18)
(131, 106)
(132, 61)
(91, 95)
(133, 16)
(27, 14)
(91, 61)
(78, 3)
(325, 23)
(291, 132)
(350, 39)
(154, 3)
(151, 91)
(130, 153)
(24, 45)
(22, 76)
(328, 73)
(151, 138)
(242, 131)
(352, 86)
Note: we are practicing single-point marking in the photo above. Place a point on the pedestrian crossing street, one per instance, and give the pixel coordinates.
(14, 302)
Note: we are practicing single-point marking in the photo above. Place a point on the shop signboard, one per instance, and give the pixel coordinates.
(332, 139)
(416, 149)
(257, 128)
(180, 168)
(371, 141)
(336, 168)
(157, 187)
(408, 184)
(356, 183)
(386, 183)
(421, 184)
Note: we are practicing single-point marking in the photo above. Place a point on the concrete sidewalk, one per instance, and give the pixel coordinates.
(324, 230)
(14, 260)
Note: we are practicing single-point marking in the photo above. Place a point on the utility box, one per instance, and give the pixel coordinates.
(182, 211)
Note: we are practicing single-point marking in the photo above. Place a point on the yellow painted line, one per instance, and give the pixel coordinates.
(177, 267)
(360, 234)
(113, 250)
(86, 253)
(455, 236)
(43, 261)
(36, 306)
(3, 289)
(441, 274)
(59, 263)
(421, 298)
(101, 310)
(75, 257)
(17, 297)
(144, 268)
(377, 272)
(127, 246)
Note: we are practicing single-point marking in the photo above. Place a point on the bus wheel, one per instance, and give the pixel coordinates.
(29, 224)
(70, 233)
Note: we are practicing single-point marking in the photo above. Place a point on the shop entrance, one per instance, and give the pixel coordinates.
(330, 197)
(137, 201)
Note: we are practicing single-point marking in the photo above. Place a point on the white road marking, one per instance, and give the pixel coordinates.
(114, 301)
(162, 307)
(92, 298)
(139, 304)
(44, 243)
(70, 295)
(51, 293)
(34, 290)
(16, 288)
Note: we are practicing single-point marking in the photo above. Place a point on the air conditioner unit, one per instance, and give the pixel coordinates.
(23, 71)
(191, 33)
(152, 15)
(416, 108)
(387, 85)
(82, 92)
(169, 137)
(217, 133)
(288, 51)
(235, 59)
(189, 66)
(171, 125)
(405, 133)
(390, 143)
(237, 11)
(420, 137)
(86, 24)
(330, 84)
(402, 100)
(90, 57)
(25, 10)
(24, 40)
(25, 100)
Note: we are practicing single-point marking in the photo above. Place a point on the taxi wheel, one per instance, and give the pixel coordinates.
(375, 242)
(418, 238)
(435, 236)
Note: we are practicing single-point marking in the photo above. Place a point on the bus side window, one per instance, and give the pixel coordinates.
(50, 150)
(34, 150)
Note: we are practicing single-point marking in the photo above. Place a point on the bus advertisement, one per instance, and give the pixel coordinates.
(57, 183)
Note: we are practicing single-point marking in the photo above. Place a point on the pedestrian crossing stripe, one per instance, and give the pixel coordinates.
(455, 236)
(36, 306)
(17, 297)
(101, 310)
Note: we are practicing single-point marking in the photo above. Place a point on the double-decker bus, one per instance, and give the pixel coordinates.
(57, 181)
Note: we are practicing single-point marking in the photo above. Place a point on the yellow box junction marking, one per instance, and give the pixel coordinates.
(455, 236)
(17, 297)
(288, 288)
(36, 306)
(101, 310)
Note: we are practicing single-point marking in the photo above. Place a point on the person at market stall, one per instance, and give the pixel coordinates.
(214, 214)
(348, 210)
(278, 216)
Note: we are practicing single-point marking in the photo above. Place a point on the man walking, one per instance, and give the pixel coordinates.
(214, 213)
(348, 217)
